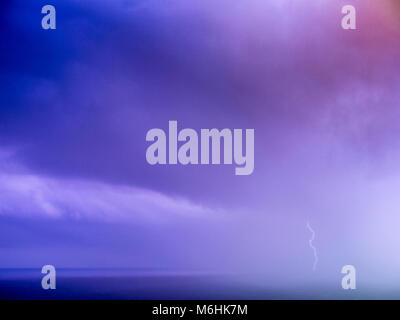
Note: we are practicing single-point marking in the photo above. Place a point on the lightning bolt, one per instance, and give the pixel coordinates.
(312, 246)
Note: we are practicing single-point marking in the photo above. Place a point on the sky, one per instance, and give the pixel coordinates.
(76, 104)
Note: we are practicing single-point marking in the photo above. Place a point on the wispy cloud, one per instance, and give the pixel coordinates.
(26, 193)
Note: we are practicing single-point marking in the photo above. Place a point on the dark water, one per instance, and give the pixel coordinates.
(96, 284)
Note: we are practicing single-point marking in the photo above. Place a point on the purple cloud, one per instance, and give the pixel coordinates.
(26, 193)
